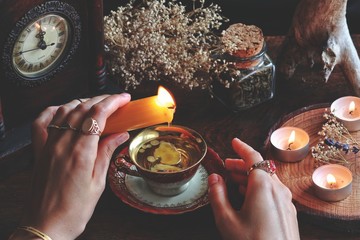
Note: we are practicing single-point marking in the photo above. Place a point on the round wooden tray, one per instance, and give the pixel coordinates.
(343, 215)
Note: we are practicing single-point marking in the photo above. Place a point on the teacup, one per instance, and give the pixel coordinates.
(166, 157)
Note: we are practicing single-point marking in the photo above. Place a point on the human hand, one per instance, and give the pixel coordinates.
(267, 211)
(70, 166)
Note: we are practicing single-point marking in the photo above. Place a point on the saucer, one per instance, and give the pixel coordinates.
(135, 192)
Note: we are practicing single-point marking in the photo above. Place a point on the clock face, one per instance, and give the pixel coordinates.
(41, 45)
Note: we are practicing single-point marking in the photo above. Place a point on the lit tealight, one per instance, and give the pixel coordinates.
(291, 139)
(290, 144)
(347, 110)
(332, 182)
(351, 107)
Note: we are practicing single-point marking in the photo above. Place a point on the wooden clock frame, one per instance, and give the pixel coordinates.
(82, 73)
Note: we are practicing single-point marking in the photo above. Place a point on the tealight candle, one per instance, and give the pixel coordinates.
(142, 113)
(332, 182)
(347, 111)
(290, 144)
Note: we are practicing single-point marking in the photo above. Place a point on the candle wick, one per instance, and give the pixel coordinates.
(289, 146)
(351, 112)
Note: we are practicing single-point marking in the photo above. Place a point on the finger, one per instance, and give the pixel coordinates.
(242, 189)
(63, 111)
(247, 153)
(235, 165)
(239, 178)
(40, 131)
(218, 198)
(106, 149)
(107, 106)
(100, 112)
(80, 113)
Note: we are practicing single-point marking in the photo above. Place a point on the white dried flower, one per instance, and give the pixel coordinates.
(160, 40)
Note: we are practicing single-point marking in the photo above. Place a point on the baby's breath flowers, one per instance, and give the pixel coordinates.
(161, 40)
(335, 142)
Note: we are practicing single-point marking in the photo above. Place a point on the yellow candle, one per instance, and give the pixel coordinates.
(142, 113)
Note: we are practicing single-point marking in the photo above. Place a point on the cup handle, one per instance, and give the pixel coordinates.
(123, 164)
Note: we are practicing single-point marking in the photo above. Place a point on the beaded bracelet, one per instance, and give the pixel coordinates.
(35, 232)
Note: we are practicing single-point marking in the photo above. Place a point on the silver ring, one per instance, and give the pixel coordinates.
(79, 100)
(91, 127)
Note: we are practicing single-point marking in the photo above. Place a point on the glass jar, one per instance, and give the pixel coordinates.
(245, 82)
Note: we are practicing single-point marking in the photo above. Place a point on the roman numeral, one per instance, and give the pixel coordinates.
(21, 63)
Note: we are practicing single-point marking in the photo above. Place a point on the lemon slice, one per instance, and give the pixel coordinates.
(164, 168)
(167, 153)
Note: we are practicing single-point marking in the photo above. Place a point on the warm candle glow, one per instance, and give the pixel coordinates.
(37, 25)
(351, 107)
(142, 113)
(291, 139)
(164, 98)
(331, 180)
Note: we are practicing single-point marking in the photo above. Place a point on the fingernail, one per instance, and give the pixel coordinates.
(213, 179)
(123, 137)
(125, 94)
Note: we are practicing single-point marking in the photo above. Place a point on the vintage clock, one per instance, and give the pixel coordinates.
(50, 52)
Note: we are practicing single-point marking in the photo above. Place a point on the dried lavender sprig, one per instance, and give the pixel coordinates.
(335, 141)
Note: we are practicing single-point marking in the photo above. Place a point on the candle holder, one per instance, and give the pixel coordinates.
(347, 110)
(332, 182)
(290, 144)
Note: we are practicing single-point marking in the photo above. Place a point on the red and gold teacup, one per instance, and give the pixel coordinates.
(166, 157)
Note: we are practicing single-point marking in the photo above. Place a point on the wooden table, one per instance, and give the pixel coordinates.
(113, 219)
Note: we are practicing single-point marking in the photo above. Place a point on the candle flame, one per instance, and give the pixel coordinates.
(292, 137)
(331, 180)
(37, 26)
(165, 98)
(351, 107)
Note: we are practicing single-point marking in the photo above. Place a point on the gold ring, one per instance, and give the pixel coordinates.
(266, 165)
(91, 127)
(53, 126)
(67, 126)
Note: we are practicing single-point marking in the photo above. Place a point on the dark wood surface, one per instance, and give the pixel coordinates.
(113, 219)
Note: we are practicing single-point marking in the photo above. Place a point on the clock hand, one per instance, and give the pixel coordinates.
(42, 45)
(41, 33)
(29, 50)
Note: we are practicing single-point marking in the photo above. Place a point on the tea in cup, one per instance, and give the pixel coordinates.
(166, 157)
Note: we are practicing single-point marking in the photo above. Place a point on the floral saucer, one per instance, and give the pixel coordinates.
(134, 191)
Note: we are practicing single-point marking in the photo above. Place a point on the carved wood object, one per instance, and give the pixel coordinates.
(319, 38)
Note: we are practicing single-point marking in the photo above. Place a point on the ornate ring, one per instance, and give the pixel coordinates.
(91, 127)
(266, 165)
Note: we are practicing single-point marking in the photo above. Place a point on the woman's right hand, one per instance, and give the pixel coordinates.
(267, 211)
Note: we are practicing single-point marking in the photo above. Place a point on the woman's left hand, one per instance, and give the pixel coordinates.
(70, 166)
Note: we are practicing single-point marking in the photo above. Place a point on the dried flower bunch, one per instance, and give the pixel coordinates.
(161, 40)
(335, 142)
